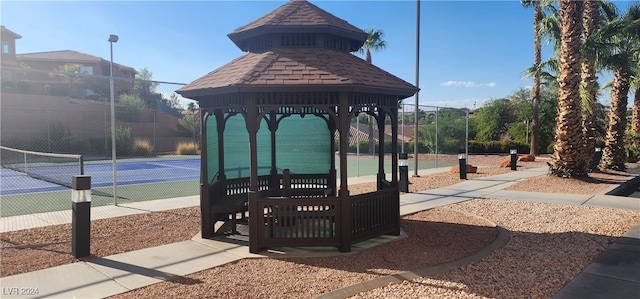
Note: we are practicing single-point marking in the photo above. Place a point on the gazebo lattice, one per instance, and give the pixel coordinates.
(269, 121)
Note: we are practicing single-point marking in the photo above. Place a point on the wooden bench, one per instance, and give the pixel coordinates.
(229, 206)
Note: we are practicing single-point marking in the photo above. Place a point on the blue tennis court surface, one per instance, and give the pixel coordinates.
(128, 173)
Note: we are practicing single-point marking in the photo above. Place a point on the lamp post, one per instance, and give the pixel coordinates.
(112, 39)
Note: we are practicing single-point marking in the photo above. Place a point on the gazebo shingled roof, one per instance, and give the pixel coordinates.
(298, 16)
(306, 68)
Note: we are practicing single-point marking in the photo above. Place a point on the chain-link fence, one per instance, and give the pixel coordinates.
(69, 111)
(157, 135)
(441, 130)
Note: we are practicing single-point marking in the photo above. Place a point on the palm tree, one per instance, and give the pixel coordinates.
(566, 159)
(635, 85)
(537, 19)
(71, 73)
(374, 42)
(618, 42)
(589, 85)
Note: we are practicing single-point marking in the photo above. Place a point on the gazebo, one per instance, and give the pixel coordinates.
(271, 122)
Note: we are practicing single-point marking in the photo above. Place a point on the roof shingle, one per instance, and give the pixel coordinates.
(296, 66)
(297, 14)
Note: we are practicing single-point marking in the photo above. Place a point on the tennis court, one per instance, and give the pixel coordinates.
(129, 172)
(139, 179)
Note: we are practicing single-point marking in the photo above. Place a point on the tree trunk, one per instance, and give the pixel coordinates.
(613, 154)
(566, 159)
(635, 118)
(590, 85)
(535, 124)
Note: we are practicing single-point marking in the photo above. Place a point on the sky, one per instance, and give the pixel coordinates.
(470, 51)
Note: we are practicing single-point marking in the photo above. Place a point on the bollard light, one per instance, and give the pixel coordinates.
(81, 215)
(403, 167)
(596, 158)
(403, 159)
(81, 188)
(514, 158)
(462, 159)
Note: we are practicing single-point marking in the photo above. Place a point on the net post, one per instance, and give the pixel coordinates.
(81, 165)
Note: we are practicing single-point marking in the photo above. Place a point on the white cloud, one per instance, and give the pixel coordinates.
(468, 84)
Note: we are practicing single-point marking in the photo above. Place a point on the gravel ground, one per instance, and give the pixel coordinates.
(549, 245)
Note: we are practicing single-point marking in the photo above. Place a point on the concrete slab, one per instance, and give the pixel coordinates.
(237, 245)
(631, 237)
(615, 202)
(559, 198)
(54, 218)
(620, 264)
(113, 211)
(12, 223)
(77, 280)
(147, 266)
(165, 204)
(589, 286)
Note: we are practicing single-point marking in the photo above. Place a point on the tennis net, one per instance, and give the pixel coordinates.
(50, 167)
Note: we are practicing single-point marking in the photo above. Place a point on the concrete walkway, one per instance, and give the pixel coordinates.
(616, 273)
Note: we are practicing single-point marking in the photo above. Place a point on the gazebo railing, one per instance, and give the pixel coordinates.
(296, 221)
(374, 214)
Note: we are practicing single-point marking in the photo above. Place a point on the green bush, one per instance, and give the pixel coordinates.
(98, 145)
(59, 90)
(73, 145)
(496, 147)
(123, 141)
(132, 106)
(550, 148)
(16, 87)
(93, 97)
(187, 148)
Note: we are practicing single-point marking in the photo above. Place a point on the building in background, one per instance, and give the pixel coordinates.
(60, 73)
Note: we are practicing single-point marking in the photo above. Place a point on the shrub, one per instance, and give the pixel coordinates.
(73, 145)
(187, 148)
(496, 147)
(142, 147)
(132, 106)
(123, 141)
(93, 97)
(550, 148)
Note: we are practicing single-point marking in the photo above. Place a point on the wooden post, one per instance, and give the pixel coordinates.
(345, 201)
(206, 217)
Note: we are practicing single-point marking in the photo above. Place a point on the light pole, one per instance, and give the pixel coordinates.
(112, 39)
(415, 112)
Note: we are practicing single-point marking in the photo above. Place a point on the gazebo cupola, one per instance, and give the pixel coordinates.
(270, 119)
